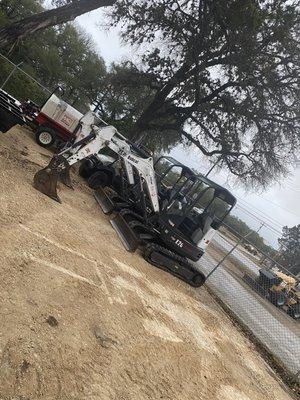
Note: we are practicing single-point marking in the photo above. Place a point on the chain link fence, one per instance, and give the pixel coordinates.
(260, 292)
(20, 83)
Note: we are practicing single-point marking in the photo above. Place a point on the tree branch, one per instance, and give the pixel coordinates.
(29, 25)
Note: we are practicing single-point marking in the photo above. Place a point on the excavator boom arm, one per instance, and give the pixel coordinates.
(90, 139)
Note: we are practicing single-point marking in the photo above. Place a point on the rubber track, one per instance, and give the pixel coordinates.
(150, 247)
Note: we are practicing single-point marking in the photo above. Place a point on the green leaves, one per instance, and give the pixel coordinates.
(289, 247)
(63, 55)
(229, 74)
(125, 93)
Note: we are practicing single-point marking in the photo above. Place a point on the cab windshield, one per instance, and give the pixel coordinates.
(191, 194)
(206, 199)
(173, 176)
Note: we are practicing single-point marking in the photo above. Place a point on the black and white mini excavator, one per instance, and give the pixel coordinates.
(164, 208)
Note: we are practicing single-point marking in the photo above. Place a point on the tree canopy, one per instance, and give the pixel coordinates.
(227, 77)
(223, 75)
(289, 247)
(64, 56)
(124, 95)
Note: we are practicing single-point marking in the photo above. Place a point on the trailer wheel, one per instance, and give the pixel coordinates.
(45, 136)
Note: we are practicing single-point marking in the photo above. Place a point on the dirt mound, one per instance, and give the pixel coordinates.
(83, 319)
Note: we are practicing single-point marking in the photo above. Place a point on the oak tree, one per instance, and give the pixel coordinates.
(289, 247)
(227, 77)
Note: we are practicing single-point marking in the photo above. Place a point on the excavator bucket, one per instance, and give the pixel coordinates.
(125, 233)
(65, 178)
(45, 181)
(104, 201)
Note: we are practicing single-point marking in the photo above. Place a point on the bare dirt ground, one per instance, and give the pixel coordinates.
(83, 319)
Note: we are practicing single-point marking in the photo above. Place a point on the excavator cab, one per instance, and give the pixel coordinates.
(192, 207)
(173, 179)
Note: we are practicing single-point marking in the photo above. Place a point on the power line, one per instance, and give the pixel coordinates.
(266, 224)
(260, 220)
(277, 205)
(271, 202)
(271, 223)
(278, 233)
(296, 190)
(265, 215)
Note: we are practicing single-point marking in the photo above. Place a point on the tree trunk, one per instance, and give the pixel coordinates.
(159, 100)
(9, 34)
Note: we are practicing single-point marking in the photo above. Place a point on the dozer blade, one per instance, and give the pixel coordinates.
(125, 233)
(104, 201)
(45, 181)
(65, 177)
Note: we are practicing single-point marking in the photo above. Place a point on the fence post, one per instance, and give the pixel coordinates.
(234, 247)
(11, 74)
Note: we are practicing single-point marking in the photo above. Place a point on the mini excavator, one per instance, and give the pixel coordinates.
(165, 209)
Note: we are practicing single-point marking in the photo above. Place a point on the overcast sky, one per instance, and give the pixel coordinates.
(278, 206)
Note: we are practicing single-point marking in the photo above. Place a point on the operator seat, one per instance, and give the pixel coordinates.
(167, 195)
(198, 234)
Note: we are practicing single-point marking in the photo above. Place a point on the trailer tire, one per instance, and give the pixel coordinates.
(45, 136)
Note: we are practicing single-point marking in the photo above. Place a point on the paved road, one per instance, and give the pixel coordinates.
(279, 333)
